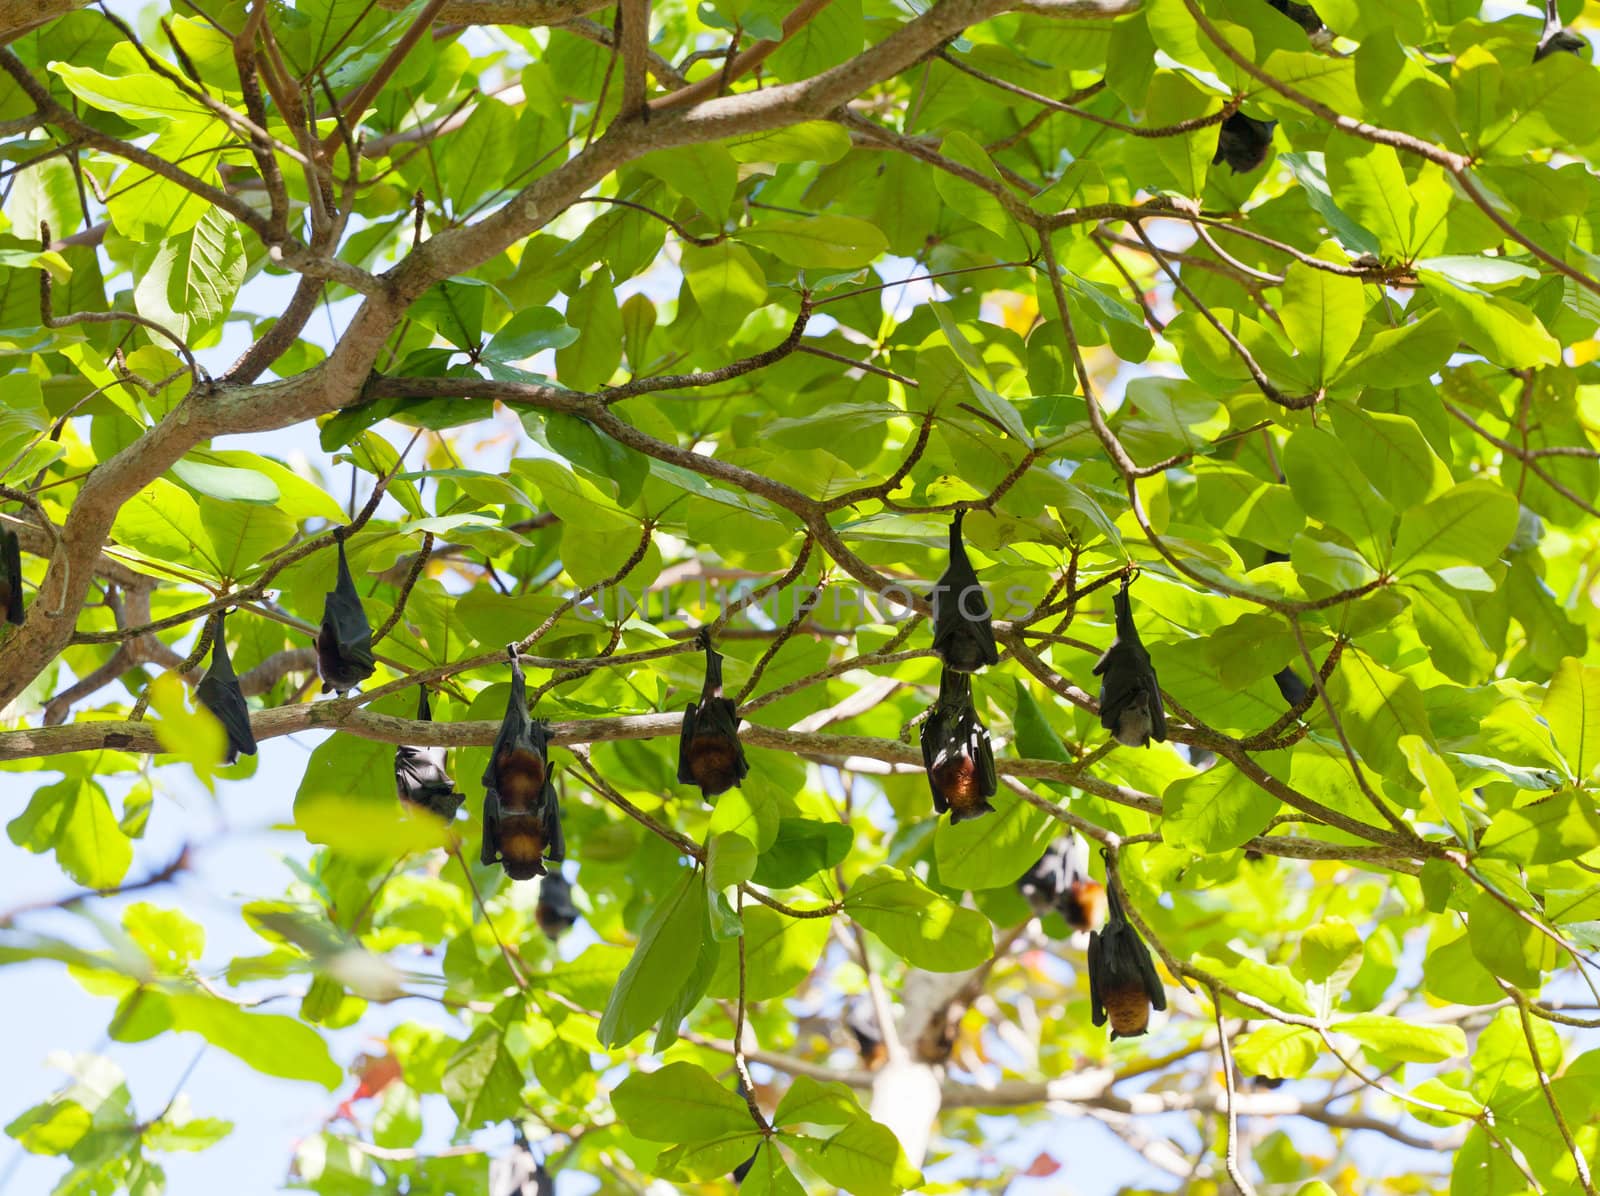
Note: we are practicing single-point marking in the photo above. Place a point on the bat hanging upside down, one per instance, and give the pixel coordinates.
(521, 814)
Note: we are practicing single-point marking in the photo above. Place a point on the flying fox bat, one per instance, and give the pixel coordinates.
(344, 644)
(956, 751)
(521, 816)
(709, 752)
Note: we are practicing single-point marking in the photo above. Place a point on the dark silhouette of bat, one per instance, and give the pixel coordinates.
(219, 693)
(963, 634)
(1061, 881)
(1130, 696)
(518, 1173)
(521, 816)
(709, 752)
(420, 775)
(11, 577)
(862, 1022)
(1123, 984)
(956, 751)
(1290, 686)
(1555, 36)
(1041, 884)
(555, 912)
(1243, 141)
(1301, 14)
(344, 644)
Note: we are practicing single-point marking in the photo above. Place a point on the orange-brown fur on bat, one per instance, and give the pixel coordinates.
(956, 751)
(1083, 905)
(521, 815)
(522, 777)
(1129, 1011)
(709, 753)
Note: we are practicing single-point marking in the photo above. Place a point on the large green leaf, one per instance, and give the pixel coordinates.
(679, 1103)
(917, 924)
(662, 964)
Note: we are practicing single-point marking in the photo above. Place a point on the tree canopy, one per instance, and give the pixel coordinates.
(604, 333)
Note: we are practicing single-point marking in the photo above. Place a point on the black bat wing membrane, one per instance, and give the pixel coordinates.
(11, 577)
(963, 630)
(1130, 695)
(344, 642)
(219, 693)
(1243, 142)
(421, 776)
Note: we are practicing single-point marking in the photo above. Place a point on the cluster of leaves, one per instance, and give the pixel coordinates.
(1354, 436)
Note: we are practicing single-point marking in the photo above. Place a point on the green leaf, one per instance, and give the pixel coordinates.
(1214, 811)
(988, 852)
(1403, 1041)
(1377, 707)
(1470, 524)
(1268, 982)
(726, 282)
(1277, 1051)
(1322, 315)
(801, 848)
(679, 1103)
(917, 924)
(528, 332)
(74, 818)
(170, 938)
(1572, 710)
(588, 362)
(270, 1043)
(1506, 945)
(863, 1158)
(821, 242)
(706, 174)
(454, 309)
(1330, 486)
(190, 286)
(1328, 949)
(473, 159)
(662, 964)
(780, 952)
(1503, 330)
(482, 1079)
(817, 1102)
(1562, 826)
(816, 141)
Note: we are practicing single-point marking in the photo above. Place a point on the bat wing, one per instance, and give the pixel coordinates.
(346, 619)
(933, 734)
(982, 755)
(491, 826)
(221, 696)
(719, 716)
(421, 777)
(1120, 686)
(1290, 686)
(1152, 981)
(691, 717)
(555, 894)
(555, 841)
(1097, 1008)
(11, 571)
(1158, 713)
